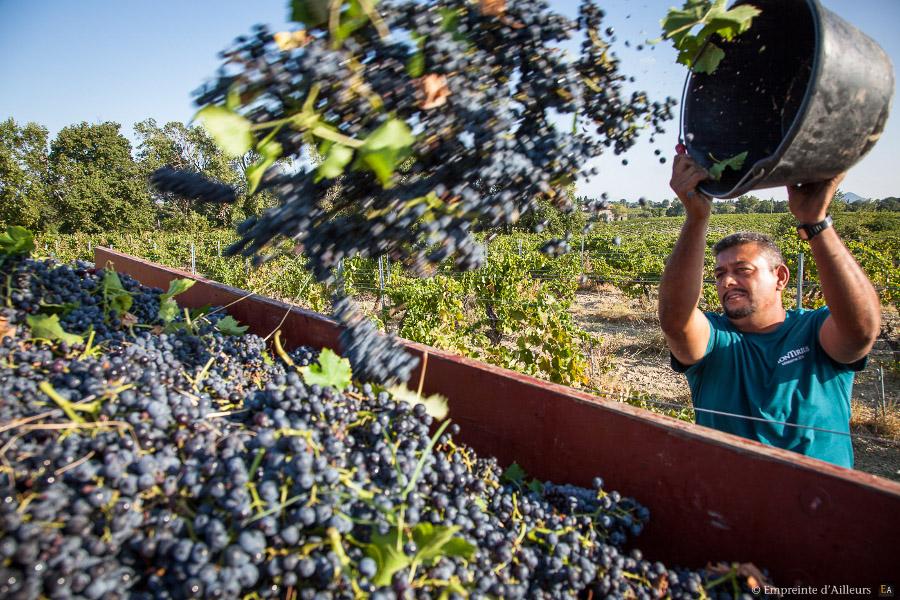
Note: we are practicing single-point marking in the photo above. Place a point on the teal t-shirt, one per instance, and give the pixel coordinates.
(782, 376)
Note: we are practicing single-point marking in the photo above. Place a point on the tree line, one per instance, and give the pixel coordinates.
(89, 178)
(748, 204)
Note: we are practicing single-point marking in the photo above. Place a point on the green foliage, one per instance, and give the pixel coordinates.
(385, 149)
(47, 327)
(191, 148)
(330, 371)
(116, 299)
(514, 312)
(718, 167)
(696, 50)
(309, 12)
(230, 326)
(16, 241)
(24, 176)
(96, 182)
(168, 308)
(554, 220)
(230, 130)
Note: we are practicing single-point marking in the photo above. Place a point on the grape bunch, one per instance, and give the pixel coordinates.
(422, 119)
(191, 185)
(170, 459)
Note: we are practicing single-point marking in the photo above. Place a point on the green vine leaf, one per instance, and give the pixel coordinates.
(116, 298)
(58, 309)
(352, 19)
(383, 549)
(415, 66)
(337, 157)
(435, 405)
(270, 151)
(714, 18)
(230, 326)
(434, 541)
(331, 371)
(48, 327)
(736, 162)
(709, 59)
(513, 474)
(168, 308)
(16, 240)
(385, 149)
(230, 130)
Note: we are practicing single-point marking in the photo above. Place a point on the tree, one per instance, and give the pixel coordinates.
(23, 175)
(891, 203)
(190, 148)
(838, 201)
(746, 204)
(675, 209)
(96, 184)
(553, 219)
(765, 206)
(725, 207)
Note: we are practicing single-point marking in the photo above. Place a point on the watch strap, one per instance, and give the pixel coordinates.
(808, 231)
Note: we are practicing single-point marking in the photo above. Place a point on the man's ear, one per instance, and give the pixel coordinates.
(783, 275)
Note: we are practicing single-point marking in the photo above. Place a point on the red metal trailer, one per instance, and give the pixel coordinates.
(711, 495)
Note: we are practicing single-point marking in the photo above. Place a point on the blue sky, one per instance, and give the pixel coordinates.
(125, 60)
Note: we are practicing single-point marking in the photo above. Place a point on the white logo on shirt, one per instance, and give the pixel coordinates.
(794, 355)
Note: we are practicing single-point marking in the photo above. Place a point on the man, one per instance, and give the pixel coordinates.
(792, 371)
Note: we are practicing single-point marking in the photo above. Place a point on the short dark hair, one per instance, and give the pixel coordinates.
(765, 242)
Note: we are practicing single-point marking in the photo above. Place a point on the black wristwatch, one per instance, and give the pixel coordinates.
(808, 231)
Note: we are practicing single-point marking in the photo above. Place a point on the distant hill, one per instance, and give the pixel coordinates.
(851, 197)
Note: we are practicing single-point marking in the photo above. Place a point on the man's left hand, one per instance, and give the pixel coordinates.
(809, 202)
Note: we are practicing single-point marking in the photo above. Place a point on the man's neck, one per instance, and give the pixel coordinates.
(761, 322)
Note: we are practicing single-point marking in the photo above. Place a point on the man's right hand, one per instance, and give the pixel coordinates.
(686, 174)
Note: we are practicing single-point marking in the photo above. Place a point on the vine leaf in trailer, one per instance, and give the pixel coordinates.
(16, 240)
(48, 327)
(432, 541)
(168, 308)
(116, 298)
(230, 326)
(435, 405)
(331, 371)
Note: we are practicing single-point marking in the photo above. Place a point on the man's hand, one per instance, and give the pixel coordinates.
(686, 174)
(809, 202)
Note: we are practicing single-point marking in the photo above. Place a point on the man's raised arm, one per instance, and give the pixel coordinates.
(684, 326)
(848, 334)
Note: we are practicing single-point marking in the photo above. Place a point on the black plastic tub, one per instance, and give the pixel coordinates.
(803, 92)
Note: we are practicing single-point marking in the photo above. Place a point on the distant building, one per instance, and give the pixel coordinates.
(608, 216)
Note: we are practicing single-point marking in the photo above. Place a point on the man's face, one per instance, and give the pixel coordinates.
(745, 281)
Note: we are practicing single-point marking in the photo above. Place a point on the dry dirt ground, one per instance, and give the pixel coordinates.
(632, 360)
